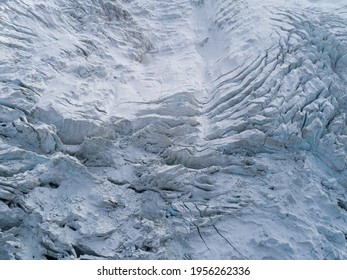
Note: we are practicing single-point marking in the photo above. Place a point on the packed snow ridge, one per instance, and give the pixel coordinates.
(178, 129)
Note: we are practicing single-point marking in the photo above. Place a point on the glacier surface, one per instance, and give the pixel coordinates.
(178, 129)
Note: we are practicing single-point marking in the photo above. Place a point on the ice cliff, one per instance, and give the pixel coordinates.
(178, 129)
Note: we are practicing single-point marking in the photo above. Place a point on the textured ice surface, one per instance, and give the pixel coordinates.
(183, 129)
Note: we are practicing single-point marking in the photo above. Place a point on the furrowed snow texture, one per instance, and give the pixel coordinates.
(184, 129)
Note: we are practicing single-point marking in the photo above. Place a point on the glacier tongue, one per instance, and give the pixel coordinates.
(187, 129)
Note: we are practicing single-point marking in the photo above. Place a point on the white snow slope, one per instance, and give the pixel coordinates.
(177, 129)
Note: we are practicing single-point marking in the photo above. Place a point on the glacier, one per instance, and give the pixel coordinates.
(186, 129)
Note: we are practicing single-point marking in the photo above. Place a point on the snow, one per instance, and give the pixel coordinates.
(187, 129)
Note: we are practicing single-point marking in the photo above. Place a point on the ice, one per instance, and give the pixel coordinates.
(187, 129)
